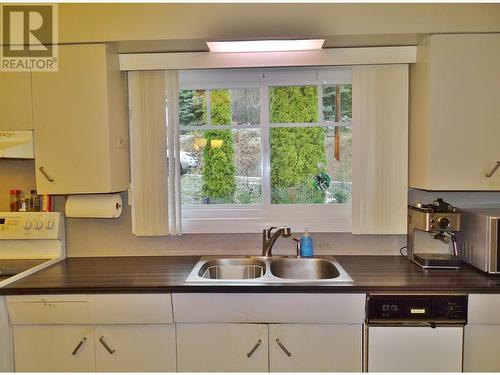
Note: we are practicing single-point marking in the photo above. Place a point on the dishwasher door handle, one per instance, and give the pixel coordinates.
(422, 324)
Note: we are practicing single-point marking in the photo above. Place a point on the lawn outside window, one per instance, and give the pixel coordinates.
(266, 147)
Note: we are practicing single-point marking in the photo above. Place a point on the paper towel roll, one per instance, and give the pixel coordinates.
(94, 206)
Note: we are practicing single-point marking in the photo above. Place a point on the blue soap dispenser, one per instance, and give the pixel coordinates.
(306, 245)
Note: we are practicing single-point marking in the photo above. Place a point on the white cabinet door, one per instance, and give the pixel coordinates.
(51, 348)
(6, 350)
(481, 348)
(78, 134)
(15, 101)
(315, 347)
(217, 347)
(415, 349)
(481, 334)
(454, 114)
(136, 348)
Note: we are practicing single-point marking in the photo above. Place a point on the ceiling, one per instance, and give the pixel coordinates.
(194, 45)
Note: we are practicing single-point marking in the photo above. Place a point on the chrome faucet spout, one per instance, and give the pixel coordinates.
(269, 238)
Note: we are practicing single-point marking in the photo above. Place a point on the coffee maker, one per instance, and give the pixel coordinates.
(431, 235)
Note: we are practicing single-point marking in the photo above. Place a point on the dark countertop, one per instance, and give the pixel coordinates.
(167, 274)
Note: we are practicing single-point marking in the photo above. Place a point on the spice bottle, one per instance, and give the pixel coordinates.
(15, 200)
(35, 201)
(46, 203)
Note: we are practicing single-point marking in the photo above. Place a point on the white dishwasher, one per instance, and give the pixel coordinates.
(414, 333)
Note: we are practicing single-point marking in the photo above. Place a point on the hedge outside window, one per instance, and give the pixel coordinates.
(303, 135)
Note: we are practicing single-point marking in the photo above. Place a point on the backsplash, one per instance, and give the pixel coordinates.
(113, 237)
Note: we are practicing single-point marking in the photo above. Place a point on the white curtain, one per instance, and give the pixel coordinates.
(154, 153)
(380, 149)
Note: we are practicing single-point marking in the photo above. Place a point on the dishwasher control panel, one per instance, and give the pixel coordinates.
(411, 308)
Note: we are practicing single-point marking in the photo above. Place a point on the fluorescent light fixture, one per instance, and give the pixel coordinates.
(266, 45)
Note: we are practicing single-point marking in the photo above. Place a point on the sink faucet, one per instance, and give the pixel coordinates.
(269, 238)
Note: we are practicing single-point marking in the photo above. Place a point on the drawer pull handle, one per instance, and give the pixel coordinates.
(45, 174)
(256, 346)
(285, 350)
(105, 344)
(492, 172)
(82, 341)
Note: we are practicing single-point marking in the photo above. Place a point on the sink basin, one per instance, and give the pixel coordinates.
(232, 269)
(304, 269)
(276, 270)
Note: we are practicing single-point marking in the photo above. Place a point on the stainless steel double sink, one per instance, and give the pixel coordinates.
(268, 270)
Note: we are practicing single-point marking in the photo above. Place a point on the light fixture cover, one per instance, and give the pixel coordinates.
(266, 45)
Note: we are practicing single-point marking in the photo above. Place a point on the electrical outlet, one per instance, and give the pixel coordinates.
(122, 143)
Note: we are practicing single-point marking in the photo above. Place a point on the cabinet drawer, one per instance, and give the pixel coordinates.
(483, 309)
(130, 308)
(269, 308)
(48, 309)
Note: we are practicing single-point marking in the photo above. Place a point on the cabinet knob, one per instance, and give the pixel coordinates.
(82, 341)
(250, 353)
(285, 350)
(492, 172)
(38, 224)
(105, 344)
(45, 174)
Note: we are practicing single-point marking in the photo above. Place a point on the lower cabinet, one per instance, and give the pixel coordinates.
(211, 333)
(315, 347)
(482, 333)
(70, 348)
(98, 332)
(51, 348)
(220, 347)
(481, 348)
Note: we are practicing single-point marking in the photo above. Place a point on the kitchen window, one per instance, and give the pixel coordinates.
(273, 119)
(265, 147)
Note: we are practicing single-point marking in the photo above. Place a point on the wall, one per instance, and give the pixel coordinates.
(117, 22)
(106, 237)
(341, 24)
(15, 174)
(109, 237)
(113, 237)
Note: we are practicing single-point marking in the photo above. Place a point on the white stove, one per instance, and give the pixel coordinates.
(29, 241)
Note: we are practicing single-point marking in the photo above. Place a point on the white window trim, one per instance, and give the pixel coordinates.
(254, 218)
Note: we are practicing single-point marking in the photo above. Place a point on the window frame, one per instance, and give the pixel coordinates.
(252, 218)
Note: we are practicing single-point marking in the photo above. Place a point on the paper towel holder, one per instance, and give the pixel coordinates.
(96, 206)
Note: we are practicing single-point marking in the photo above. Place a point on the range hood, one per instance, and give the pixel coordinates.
(17, 144)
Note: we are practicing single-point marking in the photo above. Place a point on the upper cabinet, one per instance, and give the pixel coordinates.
(15, 101)
(455, 113)
(80, 123)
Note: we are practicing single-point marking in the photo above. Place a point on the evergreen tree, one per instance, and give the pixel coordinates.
(298, 154)
(191, 107)
(219, 182)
